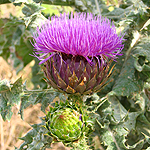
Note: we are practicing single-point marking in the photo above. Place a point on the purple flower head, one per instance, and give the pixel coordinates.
(80, 34)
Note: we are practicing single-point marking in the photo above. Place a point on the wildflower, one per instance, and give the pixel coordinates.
(76, 51)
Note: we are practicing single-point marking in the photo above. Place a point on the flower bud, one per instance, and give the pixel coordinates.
(66, 123)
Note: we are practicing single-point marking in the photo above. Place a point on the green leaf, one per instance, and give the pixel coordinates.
(6, 37)
(139, 135)
(45, 97)
(10, 95)
(36, 138)
(113, 137)
(116, 126)
(146, 2)
(117, 13)
(137, 102)
(127, 82)
(23, 50)
(38, 76)
(4, 1)
(33, 16)
(37, 1)
(141, 53)
(4, 85)
(26, 11)
(119, 113)
(143, 125)
(34, 20)
(31, 8)
(15, 35)
(16, 91)
(2, 42)
(80, 5)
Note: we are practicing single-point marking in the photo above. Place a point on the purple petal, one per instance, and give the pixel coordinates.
(83, 35)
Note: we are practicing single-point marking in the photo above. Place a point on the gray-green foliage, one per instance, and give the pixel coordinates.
(10, 95)
(36, 138)
(121, 109)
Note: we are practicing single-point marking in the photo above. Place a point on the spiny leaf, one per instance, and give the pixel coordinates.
(116, 126)
(14, 94)
(9, 28)
(137, 101)
(10, 95)
(45, 97)
(31, 8)
(127, 83)
(36, 138)
(141, 53)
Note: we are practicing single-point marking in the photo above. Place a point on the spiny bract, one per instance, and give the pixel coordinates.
(76, 75)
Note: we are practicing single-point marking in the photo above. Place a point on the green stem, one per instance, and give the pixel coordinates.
(38, 91)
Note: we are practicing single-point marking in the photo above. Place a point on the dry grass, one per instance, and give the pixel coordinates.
(6, 9)
(15, 128)
(11, 130)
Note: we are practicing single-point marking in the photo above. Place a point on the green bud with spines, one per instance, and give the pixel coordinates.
(67, 123)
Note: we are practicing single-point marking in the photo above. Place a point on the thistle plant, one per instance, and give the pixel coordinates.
(95, 61)
(77, 51)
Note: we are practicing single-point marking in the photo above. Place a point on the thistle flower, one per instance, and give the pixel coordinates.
(76, 51)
